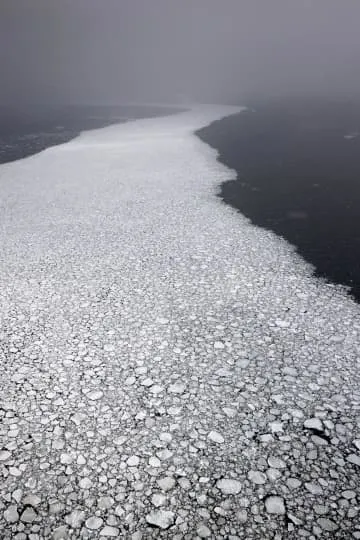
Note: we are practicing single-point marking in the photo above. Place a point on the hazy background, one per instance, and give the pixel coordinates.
(100, 51)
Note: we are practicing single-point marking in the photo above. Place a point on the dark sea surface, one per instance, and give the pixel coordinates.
(23, 133)
(298, 174)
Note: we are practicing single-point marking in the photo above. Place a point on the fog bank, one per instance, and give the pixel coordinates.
(92, 51)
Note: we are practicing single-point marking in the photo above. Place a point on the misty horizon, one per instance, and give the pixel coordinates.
(113, 51)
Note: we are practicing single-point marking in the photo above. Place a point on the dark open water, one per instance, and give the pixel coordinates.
(298, 174)
(25, 133)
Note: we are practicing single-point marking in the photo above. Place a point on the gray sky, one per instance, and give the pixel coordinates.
(111, 50)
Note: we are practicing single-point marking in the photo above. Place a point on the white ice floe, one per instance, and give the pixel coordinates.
(120, 271)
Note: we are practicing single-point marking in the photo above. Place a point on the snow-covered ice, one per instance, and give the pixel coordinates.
(167, 369)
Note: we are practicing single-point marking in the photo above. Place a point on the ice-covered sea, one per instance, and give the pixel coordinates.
(169, 370)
